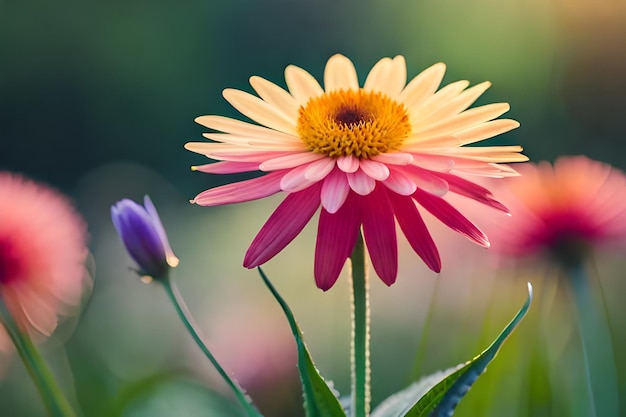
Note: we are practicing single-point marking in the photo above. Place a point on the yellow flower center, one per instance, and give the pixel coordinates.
(348, 122)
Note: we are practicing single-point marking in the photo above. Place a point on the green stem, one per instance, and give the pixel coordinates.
(183, 312)
(597, 347)
(50, 393)
(360, 361)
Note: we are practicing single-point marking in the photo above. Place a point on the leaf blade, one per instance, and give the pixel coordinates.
(319, 398)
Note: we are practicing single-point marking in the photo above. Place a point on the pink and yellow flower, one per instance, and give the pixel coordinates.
(366, 155)
(561, 211)
(42, 254)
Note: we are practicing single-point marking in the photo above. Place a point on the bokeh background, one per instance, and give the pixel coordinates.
(98, 98)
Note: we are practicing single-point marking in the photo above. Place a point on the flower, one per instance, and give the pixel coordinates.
(561, 211)
(42, 254)
(144, 237)
(365, 154)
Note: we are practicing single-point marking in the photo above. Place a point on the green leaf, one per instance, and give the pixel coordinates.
(319, 398)
(438, 395)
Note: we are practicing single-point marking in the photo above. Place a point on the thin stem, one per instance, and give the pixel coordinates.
(53, 398)
(597, 348)
(360, 360)
(183, 312)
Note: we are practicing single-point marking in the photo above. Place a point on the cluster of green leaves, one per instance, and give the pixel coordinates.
(436, 395)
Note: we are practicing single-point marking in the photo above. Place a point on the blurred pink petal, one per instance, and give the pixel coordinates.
(42, 254)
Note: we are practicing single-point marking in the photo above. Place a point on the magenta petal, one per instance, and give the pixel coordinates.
(336, 237)
(241, 191)
(379, 231)
(285, 223)
(471, 190)
(450, 216)
(415, 230)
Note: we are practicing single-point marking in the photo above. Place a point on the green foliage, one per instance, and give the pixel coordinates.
(319, 398)
(438, 395)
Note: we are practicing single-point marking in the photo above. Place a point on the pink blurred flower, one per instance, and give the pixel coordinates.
(561, 211)
(42, 254)
(366, 154)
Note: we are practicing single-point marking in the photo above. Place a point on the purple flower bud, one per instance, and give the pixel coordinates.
(143, 235)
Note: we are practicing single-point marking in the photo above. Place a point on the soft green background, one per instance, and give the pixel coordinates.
(98, 99)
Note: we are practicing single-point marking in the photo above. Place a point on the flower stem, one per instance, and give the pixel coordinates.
(51, 394)
(360, 360)
(597, 347)
(183, 312)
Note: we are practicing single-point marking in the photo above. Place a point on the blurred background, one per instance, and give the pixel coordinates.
(97, 100)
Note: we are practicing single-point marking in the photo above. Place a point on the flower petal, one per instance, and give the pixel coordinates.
(415, 230)
(486, 130)
(290, 161)
(451, 217)
(387, 76)
(374, 169)
(285, 223)
(226, 167)
(335, 191)
(340, 74)
(241, 191)
(426, 180)
(302, 85)
(237, 127)
(348, 163)
(260, 111)
(471, 190)
(295, 180)
(379, 232)
(459, 103)
(399, 183)
(423, 85)
(420, 112)
(318, 170)
(465, 120)
(336, 237)
(360, 182)
(275, 96)
(395, 158)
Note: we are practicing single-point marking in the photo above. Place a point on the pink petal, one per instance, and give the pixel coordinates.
(227, 167)
(241, 191)
(319, 169)
(285, 223)
(426, 180)
(336, 237)
(335, 191)
(399, 183)
(471, 190)
(348, 163)
(415, 230)
(395, 158)
(374, 169)
(450, 216)
(379, 231)
(290, 161)
(295, 180)
(361, 183)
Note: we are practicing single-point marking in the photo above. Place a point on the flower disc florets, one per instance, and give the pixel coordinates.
(358, 123)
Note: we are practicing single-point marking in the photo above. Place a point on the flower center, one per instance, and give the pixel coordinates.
(353, 122)
(10, 262)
